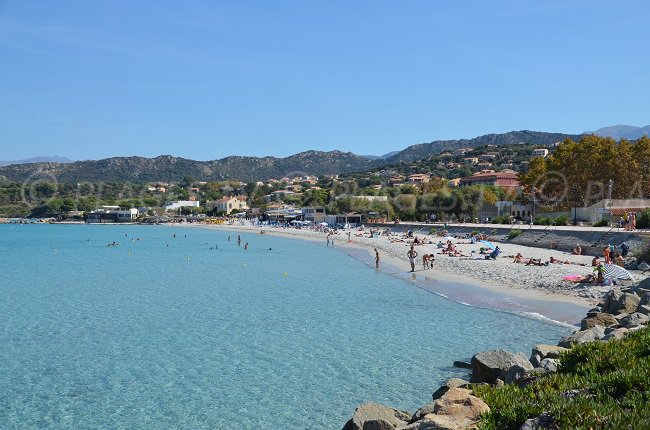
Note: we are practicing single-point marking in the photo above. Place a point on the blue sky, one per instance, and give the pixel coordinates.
(207, 79)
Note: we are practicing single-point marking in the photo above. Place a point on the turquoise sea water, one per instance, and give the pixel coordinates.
(164, 332)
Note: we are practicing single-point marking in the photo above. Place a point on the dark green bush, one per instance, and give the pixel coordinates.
(501, 220)
(643, 219)
(609, 383)
(601, 223)
(514, 233)
(561, 220)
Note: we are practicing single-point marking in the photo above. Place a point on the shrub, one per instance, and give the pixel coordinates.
(514, 233)
(609, 384)
(501, 220)
(561, 220)
(602, 223)
(643, 219)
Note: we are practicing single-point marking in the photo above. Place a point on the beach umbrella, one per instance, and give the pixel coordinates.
(612, 271)
(488, 244)
(446, 238)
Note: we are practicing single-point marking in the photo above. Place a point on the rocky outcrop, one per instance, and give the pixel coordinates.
(585, 336)
(372, 416)
(627, 303)
(488, 366)
(601, 319)
(457, 409)
(634, 320)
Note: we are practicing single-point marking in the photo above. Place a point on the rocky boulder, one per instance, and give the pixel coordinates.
(372, 416)
(544, 421)
(634, 320)
(549, 364)
(585, 336)
(457, 409)
(451, 383)
(548, 351)
(645, 299)
(643, 309)
(616, 334)
(601, 319)
(627, 303)
(610, 299)
(488, 366)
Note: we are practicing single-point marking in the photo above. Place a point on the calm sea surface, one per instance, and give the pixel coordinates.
(164, 332)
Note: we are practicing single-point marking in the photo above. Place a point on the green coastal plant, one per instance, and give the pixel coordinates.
(601, 223)
(514, 233)
(599, 385)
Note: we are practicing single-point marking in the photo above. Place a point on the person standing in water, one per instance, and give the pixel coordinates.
(246, 246)
(238, 240)
(411, 255)
(376, 259)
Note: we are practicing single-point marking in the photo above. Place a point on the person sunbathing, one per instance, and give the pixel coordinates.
(534, 262)
(554, 260)
(577, 250)
(518, 258)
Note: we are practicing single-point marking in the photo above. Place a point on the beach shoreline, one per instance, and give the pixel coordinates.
(559, 305)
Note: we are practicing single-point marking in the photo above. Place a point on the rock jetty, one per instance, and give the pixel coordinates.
(455, 407)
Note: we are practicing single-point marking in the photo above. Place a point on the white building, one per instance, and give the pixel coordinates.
(314, 214)
(172, 206)
(111, 214)
(541, 152)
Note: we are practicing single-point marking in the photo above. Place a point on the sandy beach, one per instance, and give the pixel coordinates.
(541, 289)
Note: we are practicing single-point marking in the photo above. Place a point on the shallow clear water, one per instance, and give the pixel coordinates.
(164, 332)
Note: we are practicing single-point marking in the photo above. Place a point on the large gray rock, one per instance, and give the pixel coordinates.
(634, 320)
(549, 364)
(627, 303)
(594, 333)
(548, 351)
(610, 300)
(645, 299)
(601, 319)
(488, 366)
(643, 309)
(372, 416)
(514, 374)
(544, 421)
(616, 334)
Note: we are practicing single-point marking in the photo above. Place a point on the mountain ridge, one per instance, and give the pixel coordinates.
(630, 132)
(37, 159)
(246, 168)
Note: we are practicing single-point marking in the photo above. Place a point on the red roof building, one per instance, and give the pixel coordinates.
(499, 179)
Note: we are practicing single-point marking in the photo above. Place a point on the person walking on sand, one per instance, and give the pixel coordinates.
(425, 261)
(376, 259)
(411, 254)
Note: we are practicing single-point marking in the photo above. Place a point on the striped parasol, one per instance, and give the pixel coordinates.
(612, 271)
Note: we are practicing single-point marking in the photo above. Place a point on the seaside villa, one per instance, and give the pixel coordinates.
(229, 204)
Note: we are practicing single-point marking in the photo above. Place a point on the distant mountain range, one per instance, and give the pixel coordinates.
(169, 168)
(53, 159)
(618, 132)
(423, 150)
